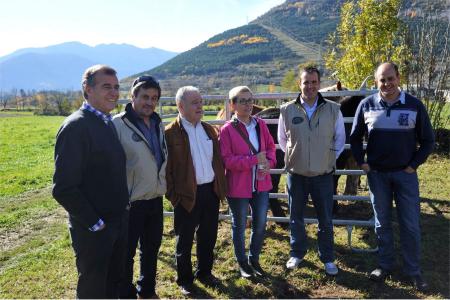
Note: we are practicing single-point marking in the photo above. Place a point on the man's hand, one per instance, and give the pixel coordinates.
(365, 168)
(101, 227)
(409, 170)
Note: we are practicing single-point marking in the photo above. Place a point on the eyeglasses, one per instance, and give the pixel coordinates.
(145, 79)
(244, 101)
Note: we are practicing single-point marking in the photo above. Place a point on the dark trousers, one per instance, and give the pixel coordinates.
(145, 227)
(275, 204)
(203, 219)
(100, 258)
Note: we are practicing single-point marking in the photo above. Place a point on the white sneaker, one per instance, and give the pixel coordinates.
(293, 262)
(331, 268)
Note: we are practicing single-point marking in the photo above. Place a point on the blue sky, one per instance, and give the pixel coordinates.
(176, 25)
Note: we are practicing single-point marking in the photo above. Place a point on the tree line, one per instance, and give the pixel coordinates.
(49, 102)
(371, 32)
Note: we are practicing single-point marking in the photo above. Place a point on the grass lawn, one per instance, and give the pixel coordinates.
(37, 261)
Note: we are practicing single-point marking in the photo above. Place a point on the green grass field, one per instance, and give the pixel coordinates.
(37, 261)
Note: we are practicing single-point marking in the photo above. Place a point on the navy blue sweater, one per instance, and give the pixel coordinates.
(394, 133)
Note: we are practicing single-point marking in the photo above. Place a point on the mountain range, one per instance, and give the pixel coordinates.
(60, 66)
(260, 52)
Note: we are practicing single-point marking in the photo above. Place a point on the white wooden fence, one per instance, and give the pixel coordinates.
(280, 98)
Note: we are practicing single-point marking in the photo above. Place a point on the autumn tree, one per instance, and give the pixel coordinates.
(369, 33)
(289, 82)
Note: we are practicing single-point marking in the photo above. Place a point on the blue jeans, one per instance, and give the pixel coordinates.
(404, 189)
(239, 209)
(321, 190)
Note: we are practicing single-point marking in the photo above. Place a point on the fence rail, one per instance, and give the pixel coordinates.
(272, 96)
(279, 97)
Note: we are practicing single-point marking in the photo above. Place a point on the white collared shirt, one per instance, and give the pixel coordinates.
(339, 129)
(401, 97)
(201, 151)
(309, 109)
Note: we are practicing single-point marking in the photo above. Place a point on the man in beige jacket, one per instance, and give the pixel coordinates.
(311, 132)
(141, 133)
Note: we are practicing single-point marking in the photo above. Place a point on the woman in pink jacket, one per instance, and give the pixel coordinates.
(248, 152)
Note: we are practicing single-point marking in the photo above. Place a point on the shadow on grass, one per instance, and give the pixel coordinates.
(354, 267)
(274, 287)
(435, 259)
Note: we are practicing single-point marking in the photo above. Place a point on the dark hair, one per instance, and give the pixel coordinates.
(145, 82)
(310, 70)
(88, 78)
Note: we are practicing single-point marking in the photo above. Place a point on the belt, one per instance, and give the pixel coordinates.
(205, 184)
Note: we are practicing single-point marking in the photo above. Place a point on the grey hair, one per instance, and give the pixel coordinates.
(232, 94)
(182, 91)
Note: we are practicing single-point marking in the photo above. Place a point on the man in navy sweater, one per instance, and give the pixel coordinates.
(90, 183)
(396, 123)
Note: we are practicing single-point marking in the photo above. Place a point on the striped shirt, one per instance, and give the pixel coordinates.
(394, 131)
(105, 117)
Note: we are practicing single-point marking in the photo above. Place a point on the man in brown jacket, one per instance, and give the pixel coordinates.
(195, 184)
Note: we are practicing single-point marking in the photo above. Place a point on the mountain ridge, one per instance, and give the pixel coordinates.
(19, 64)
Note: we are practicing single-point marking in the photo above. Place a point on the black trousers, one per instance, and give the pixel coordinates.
(202, 220)
(145, 227)
(100, 258)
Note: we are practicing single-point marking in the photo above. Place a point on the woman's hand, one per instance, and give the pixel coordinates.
(262, 160)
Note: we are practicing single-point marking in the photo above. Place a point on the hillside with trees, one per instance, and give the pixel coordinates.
(243, 45)
(263, 51)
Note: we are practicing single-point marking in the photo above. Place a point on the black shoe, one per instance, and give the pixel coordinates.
(420, 284)
(153, 296)
(209, 280)
(245, 270)
(379, 274)
(187, 289)
(257, 270)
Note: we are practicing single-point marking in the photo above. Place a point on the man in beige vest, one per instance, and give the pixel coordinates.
(311, 133)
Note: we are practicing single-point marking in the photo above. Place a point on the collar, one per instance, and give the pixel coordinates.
(185, 122)
(318, 102)
(303, 102)
(252, 123)
(401, 97)
(104, 117)
(133, 116)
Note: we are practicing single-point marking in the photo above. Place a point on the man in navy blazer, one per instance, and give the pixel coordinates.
(90, 183)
